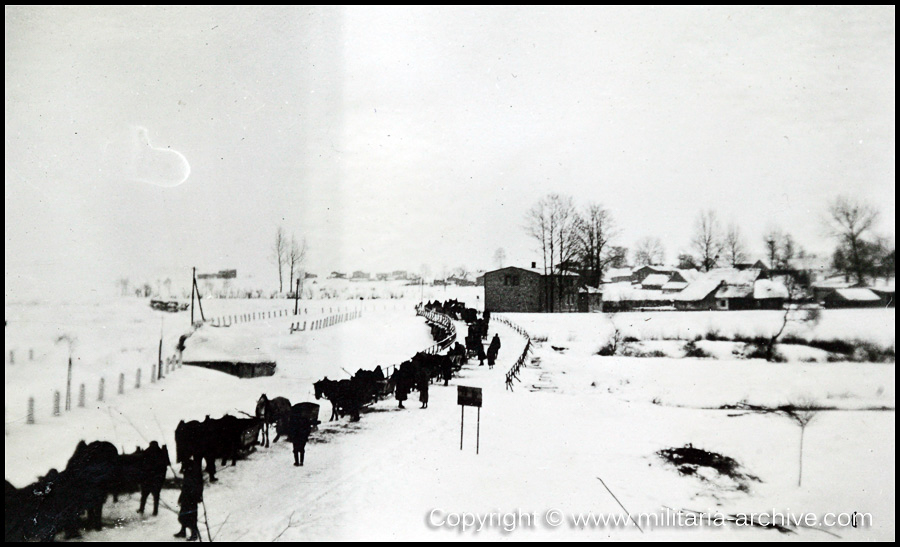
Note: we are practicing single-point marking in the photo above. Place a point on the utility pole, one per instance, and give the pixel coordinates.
(297, 296)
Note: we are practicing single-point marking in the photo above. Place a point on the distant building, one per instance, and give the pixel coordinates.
(308, 275)
(467, 280)
(528, 290)
(337, 275)
(360, 276)
(382, 276)
(617, 275)
(655, 281)
(590, 299)
(758, 265)
(719, 288)
(221, 274)
(852, 298)
(399, 275)
(641, 273)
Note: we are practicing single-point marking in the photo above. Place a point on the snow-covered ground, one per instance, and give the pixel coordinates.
(574, 417)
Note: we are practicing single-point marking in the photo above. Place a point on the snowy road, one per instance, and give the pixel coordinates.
(399, 474)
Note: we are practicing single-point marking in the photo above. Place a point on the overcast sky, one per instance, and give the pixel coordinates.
(141, 141)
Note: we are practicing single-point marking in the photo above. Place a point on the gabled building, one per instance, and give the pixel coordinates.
(703, 293)
(529, 290)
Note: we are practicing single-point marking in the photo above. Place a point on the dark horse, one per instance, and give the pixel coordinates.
(270, 411)
(343, 395)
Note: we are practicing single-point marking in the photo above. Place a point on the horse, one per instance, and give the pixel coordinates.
(270, 411)
(344, 395)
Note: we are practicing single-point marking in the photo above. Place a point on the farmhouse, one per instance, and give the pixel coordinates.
(720, 288)
(529, 290)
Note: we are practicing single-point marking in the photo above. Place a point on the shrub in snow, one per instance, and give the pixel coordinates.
(692, 350)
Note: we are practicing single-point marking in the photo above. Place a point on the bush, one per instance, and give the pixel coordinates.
(692, 350)
(607, 351)
(756, 350)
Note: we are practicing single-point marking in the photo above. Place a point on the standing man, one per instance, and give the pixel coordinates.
(493, 350)
(191, 496)
(299, 427)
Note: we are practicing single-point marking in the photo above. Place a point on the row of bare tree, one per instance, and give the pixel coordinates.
(288, 254)
(584, 239)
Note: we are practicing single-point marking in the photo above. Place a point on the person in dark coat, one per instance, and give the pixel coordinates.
(423, 390)
(479, 348)
(191, 496)
(493, 350)
(298, 433)
(402, 390)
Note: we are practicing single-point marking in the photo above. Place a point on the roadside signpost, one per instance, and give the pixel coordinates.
(469, 396)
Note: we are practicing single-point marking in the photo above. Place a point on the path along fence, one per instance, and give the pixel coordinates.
(513, 373)
(436, 318)
(444, 322)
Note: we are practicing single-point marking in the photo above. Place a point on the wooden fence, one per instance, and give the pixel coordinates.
(513, 373)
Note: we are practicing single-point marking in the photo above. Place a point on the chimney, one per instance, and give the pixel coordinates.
(534, 264)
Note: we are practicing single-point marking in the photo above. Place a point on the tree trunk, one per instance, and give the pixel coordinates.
(800, 476)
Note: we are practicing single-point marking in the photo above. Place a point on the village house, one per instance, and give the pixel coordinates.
(360, 276)
(852, 298)
(730, 289)
(529, 290)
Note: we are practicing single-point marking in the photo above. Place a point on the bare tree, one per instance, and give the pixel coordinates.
(499, 257)
(735, 249)
(772, 239)
(793, 313)
(649, 251)
(848, 221)
(594, 233)
(295, 257)
(707, 241)
(802, 413)
(279, 255)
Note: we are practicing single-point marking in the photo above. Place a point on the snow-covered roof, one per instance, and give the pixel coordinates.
(689, 274)
(767, 288)
(859, 295)
(655, 280)
(625, 291)
(675, 285)
(706, 283)
(613, 273)
(698, 290)
(836, 282)
(735, 291)
(590, 290)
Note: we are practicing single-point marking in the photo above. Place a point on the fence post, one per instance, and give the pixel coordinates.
(100, 389)
(137, 379)
(56, 403)
(153, 374)
(31, 354)
(121, 383)
(30, 417)
(81, 396)
(12, 357)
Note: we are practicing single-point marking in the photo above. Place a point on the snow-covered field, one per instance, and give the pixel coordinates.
(594, 329)
(574, 417)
